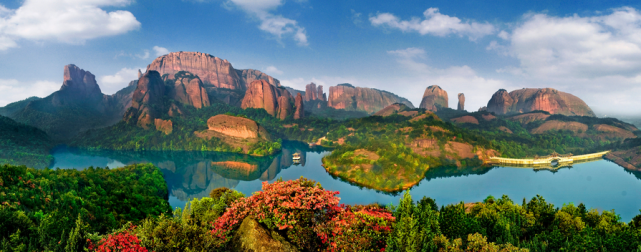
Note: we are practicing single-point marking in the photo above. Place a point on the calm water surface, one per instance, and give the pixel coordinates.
(602, 185)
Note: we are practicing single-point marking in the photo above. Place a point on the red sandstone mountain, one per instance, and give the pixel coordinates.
(531, 99)
(213, 71)
(461, 102)
(300, 107)
(313, 93)
(434, 98)
(348, 97)
(149, 100)
(275, 100)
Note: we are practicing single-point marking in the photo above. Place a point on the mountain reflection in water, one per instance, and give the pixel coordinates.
(602, 184)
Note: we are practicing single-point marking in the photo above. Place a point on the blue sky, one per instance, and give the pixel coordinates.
(589, 48)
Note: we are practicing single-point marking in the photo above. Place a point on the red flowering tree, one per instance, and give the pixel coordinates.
(123, 241)
(356, 229)
(293, 207)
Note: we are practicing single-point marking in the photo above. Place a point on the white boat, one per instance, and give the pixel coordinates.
(296, 157)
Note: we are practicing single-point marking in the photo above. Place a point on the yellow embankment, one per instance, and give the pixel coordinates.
(547, 160)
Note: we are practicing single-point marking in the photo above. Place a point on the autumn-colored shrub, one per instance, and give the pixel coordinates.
(354, 229)
(291, 207)
(123, 241)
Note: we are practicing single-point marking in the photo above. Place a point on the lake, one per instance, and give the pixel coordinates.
(601, 184)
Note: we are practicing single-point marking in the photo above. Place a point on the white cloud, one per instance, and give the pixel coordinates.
(13, 90)
(595, 46)
(69, 21)
(434, 23)
(597, 58)
(160, 51)
(273, 70)
(454, 80)
(110, 84)
(276, 25)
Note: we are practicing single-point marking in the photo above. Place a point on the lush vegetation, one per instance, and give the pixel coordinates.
(304, 215)
(58, 210)
(23, 144)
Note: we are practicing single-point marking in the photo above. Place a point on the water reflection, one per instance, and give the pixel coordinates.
(601, 184)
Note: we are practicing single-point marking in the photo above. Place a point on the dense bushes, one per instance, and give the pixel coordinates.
(23, 144)
(54, 209)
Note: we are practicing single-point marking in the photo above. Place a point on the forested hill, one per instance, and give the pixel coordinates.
(21, 144)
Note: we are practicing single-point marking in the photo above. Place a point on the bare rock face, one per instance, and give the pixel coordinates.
(211, 70)
(461, 102)
(188, 89)
(284, 107)
(147, 102)
(300, 107)
(314, 93)
(348, 97)
(82, 83)
(248, 76)
(261, 94)
(164, 126)
(531, 99)
(434, 98)
(234, 126)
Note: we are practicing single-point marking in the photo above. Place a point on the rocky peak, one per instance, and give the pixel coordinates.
(147, 101)
(261, 94)
(211, 70)
(461, 102)
(433, 98)
(347, 97)
(300, 107)
(188, 89)
(248, 76)
(313, 92)
(531, 99)
(82, 83)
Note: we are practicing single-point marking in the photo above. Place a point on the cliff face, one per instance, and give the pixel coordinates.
(248, 76)
(461, 102)
(188, 89)
(313, 92)
(300, 107)
(276, 101)
(434, 98)
(530, 99)
(147, 102)
(212, 71)
(348, 97)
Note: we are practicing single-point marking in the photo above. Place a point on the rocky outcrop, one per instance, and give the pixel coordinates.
(252, 236)
(348, 97)
(248, 76)
(531, 99)
(261, 94)
(147, 102)
(434, 98)
(555, 125)
(80, 82)
(313, 93)
(164, 126)
(188, 89)
(461, 102)
(300, 107)
(465, 119)
(212, 71)
(238, 127)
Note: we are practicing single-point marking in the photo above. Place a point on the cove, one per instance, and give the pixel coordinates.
(602, 184)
